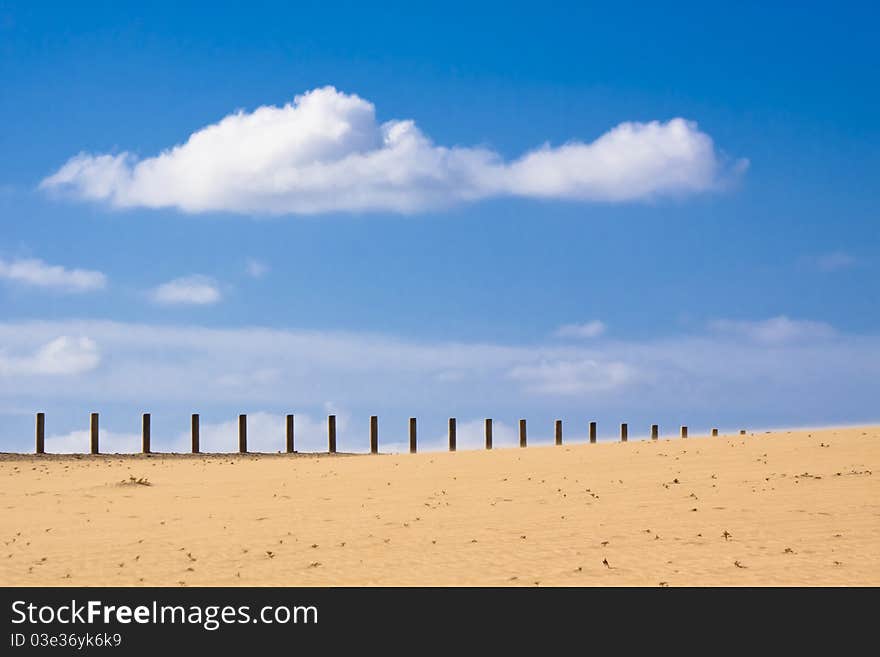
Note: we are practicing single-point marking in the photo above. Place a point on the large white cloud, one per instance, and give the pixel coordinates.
(61, 356)
(327, 152)
(35, 272)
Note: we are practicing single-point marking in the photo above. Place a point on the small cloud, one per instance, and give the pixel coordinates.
(776, 330)
(35, 272)
(63, 355)
(591, 329)
(192, 290)
(256, 268)
(835, 261)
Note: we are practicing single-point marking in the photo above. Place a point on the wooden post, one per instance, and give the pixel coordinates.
(684, 431)
(40, 434)
(714, 432)
(40, 447)
(522, 433)
(145, 433)
(655, 432)
(374, 434)
(452, 434)
(623, 432)
(331, 434)
(558, 428)
(592, 432)
(93, 430)
(194, 432)
(412, 436)
(488, 433)
(242, 434)
(289, 436)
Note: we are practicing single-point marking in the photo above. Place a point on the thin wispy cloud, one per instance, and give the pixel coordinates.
(256, 268)
(774, 330)
(573, 376)
(189, 290)
(37, 273)
(734, 359)
(761, 370)
(591, 329)
(327, 152)
(835, 261)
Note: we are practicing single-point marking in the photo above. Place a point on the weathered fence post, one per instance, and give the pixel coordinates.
(331, 434)
(93, 430)
(684, 431)
(145, 433)
(412, 436)
(624, 430)
(655, 432)
(194, 432)
(242, 434)
(522, 433)
(374, 434)
(558, 432)
(592, 432)
(40, 447)
(714, 432)
(289, 436)
(488, 433)
(452, 434)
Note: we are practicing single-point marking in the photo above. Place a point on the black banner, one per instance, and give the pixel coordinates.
(135, 621)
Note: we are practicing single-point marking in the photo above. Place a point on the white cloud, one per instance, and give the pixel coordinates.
(62, 356)
(79, 442)
(327, 152)
(591, 329)
(471, 434)
(774, 330)
(193, 290)
(256, 268)
(35, 272)
(835, 261)
(266, 433)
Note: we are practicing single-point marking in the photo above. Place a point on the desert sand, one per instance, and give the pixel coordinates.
(780, 508)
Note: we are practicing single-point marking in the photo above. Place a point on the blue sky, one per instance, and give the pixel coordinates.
(722, 270)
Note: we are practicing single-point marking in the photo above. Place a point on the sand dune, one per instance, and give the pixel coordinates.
(782, 508)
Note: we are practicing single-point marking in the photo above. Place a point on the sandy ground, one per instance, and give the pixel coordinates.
(782, 508)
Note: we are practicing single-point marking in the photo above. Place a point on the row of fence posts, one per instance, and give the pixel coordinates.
(331, 433)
